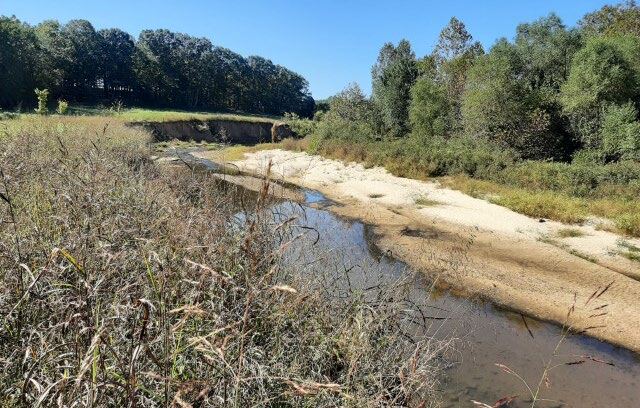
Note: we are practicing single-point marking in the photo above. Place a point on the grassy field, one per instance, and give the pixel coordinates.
(152, 115)
(131, 283)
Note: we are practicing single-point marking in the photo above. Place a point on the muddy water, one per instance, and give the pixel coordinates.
(486, 336)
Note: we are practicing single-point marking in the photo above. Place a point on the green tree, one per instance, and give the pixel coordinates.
(392, 77)
(116, 62)
(429, 111)
(604, 72)
(19, 54)
(620, 132)
(546, 49)
(454, 55)
(613, 20)
(497, 106)
(71, 53)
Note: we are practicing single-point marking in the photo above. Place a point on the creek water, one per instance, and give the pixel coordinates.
(486, 335)
(607, 377)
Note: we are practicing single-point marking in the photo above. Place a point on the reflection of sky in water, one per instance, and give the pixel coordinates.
(487, 336)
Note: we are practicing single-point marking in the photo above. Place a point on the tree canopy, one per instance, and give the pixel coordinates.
(159, 69)
(547, 93)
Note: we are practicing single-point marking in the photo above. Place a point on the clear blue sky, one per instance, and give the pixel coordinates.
(331, 42)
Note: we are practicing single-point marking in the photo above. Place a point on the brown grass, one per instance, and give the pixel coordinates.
(130, 284)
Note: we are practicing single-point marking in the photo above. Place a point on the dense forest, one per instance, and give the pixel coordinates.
(550, 93)
(163, 69)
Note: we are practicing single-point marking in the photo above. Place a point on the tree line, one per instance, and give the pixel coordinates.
(160, 69)
(551, 92)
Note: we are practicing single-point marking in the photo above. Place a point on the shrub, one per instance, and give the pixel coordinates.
(63, 107)
(300, 126)
(43, 100)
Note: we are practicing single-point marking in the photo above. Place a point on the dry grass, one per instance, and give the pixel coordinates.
(624, 213)
(130, 284)
(569, 233)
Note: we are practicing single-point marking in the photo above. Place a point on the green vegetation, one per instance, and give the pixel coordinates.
(63, 107)
(547, 124)
(424, 201)
(629, 250)
(131, 283)
(149, 115)
(570, 233)
(160, 69)
(43, 96)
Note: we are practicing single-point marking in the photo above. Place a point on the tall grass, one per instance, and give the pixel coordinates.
(130, 284)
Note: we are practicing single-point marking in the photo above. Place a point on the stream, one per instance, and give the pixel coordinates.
(486, 336)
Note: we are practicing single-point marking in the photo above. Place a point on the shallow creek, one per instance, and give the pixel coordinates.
(486, 335)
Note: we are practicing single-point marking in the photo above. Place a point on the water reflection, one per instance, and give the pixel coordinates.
(339, 248)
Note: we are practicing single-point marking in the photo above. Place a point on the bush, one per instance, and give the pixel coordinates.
(43, 100)
(63, 107)
(300, 126)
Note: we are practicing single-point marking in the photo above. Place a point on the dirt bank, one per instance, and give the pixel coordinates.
(227, 131)
(480, 248)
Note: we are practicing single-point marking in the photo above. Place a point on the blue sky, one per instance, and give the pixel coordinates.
(331, 43)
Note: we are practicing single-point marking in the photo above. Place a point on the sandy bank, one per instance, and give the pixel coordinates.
(481, 248)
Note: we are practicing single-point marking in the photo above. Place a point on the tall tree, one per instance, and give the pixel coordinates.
(453, 55)
(19, 52)
(393, 75)
(546, 49)
(85, 49)
(620, 19)
(603, 73)
(116, 61)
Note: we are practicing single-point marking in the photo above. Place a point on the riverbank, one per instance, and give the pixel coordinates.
(542, 269)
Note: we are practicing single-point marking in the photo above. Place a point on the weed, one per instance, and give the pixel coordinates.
(425, 201)
(629, 250)
(569, 233)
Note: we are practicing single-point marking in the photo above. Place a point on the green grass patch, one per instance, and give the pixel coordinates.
(629, 251)
(158, 115)
(570, 233)
(424, 201)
